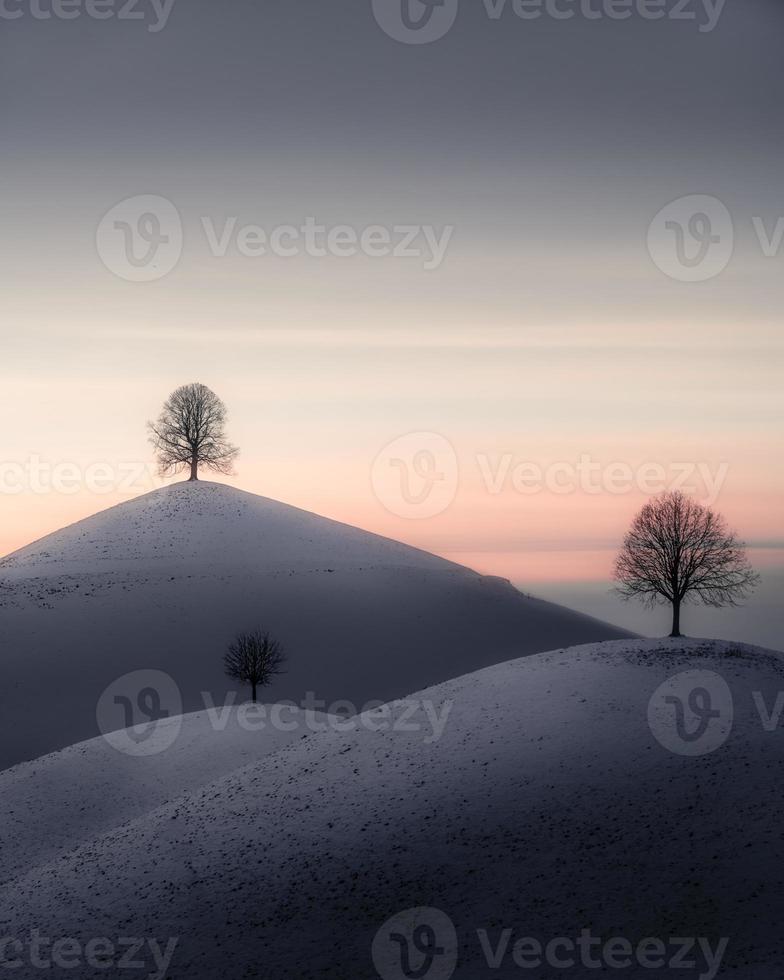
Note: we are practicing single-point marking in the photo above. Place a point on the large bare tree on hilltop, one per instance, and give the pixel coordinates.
(189, 433)
(679, 551)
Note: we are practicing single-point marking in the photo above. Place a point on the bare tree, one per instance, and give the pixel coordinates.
(254, 658)
(189, 432)
(678, 551)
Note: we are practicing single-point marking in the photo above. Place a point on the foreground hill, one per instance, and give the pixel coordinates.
(52, 804)
(561, 799)
(165, 581)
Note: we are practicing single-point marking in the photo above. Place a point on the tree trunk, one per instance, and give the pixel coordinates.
(253, 688)
(676, 619)
(194, 468)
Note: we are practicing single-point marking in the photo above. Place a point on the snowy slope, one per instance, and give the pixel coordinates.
(51, 804)
(164, 582)
(549, 805)
(187, 526)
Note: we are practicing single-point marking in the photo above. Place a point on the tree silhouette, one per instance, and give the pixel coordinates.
(254, 658)
(189, 432)
(678, 551)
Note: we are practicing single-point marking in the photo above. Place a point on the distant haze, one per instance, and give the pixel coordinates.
(544, 332)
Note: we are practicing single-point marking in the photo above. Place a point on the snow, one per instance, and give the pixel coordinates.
(549, 805)
(51, 804)
(191, 525)
(165, 581)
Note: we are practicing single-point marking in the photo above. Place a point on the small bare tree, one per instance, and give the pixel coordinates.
(679, 551)
(190, 432)
(254, 658)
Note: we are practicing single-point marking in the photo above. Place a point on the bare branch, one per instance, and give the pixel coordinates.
(189, 432)
(254, 658)
(679, 551)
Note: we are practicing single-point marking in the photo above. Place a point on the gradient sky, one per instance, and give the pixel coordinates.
(547, 333)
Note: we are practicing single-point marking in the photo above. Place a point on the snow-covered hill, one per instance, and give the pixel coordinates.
(561, 801)
(165, 581)
(52, 804)
(205, 525)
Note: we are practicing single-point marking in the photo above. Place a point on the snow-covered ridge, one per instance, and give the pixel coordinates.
(548, 799)
(52, 804)
(209, 524)
(165, 581)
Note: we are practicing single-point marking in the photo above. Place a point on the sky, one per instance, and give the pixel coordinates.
(482, 286)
